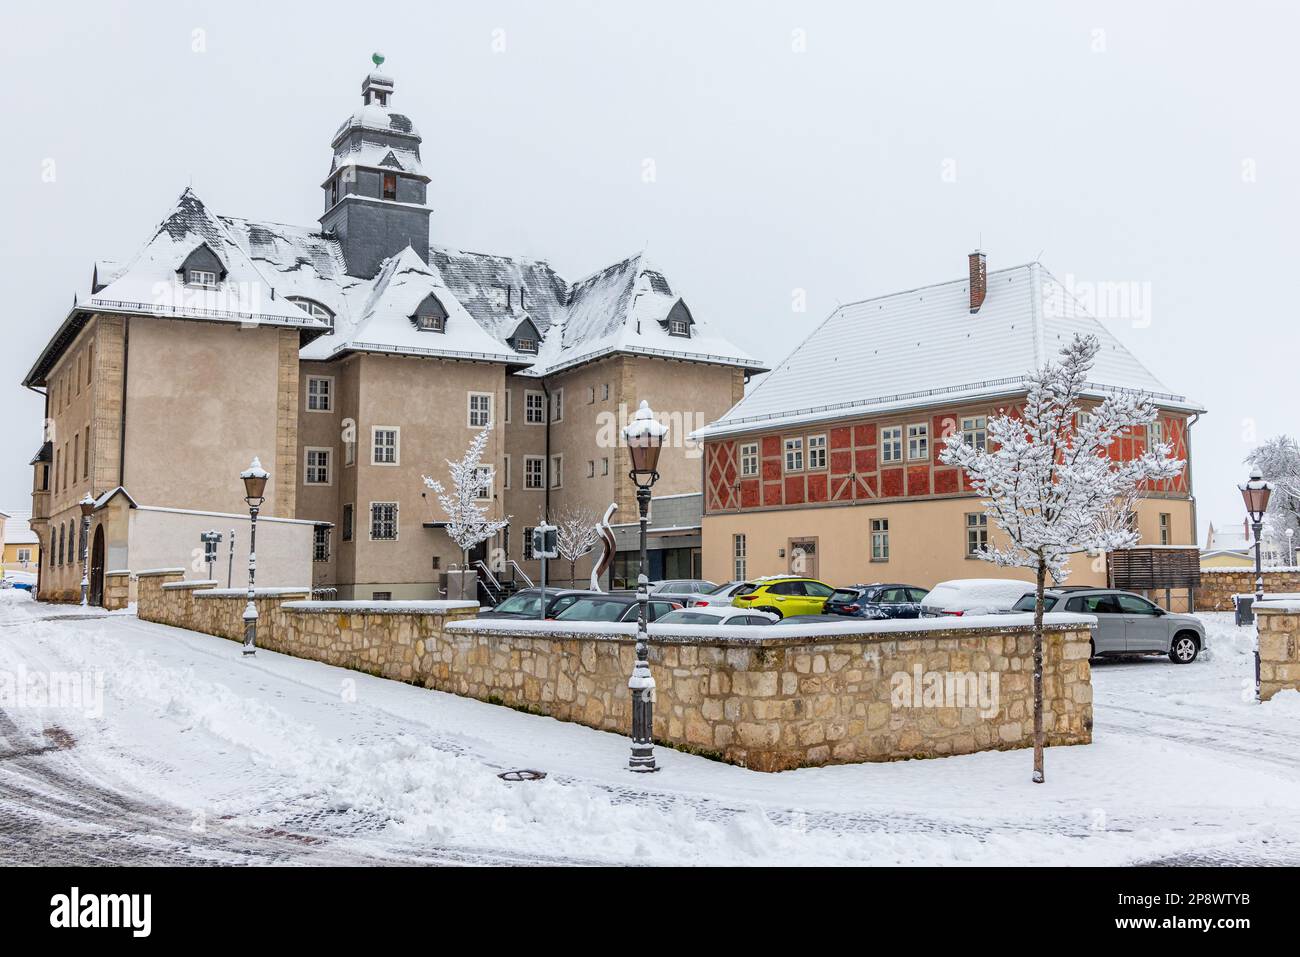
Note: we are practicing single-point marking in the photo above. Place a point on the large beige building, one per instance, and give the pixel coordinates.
(353, 358)
(830, 466)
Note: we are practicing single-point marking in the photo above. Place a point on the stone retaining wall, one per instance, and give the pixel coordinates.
(117, 590)
(1218, 585)
(1279, 647)
(798, 696)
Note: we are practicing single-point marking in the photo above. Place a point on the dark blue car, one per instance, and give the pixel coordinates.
(877, 601)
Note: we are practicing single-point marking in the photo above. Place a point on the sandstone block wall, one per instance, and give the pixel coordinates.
(1279, 648)
(1219, 585)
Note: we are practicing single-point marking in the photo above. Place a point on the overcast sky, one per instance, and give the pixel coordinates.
(845, 149)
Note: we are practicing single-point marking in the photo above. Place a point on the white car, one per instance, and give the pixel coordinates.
(717, 615)
(973, 596)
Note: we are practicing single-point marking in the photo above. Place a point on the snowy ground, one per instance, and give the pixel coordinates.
(201, 756)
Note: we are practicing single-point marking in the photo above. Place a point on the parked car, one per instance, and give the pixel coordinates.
(814, 619)
(717, 615)
(876, 601)
(680, 589)
(784, 595)
(613, 607)
(527, 603)
(973, 596)
(1127, 624)
(718, 595)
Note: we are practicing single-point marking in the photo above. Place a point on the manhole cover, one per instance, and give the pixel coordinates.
(523, 774)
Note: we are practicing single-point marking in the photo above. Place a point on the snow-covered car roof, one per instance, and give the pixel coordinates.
(962, 594)
(720, 612)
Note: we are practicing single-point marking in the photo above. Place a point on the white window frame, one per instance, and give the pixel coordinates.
(307, 466)
(918, 442)
(891, 444)
(972, 426)
(739, 556)
(556, 471)
(817, 453)
(748, 457)
(1165, 527)
(470, 410)
(328, 395)
(397, 444)
(679, 327)
(203, 278)
(1155, 433)
(430, 323)
(977, 533)
(370, 517)
(604, 465)
(557, 406)
(879, 539)
(528, 345)
(484, 493)
(541, 472)
(793, 446)
(591, 468)
(24, 554)
(530, 412)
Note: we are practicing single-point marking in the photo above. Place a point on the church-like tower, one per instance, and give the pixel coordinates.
(376, 188)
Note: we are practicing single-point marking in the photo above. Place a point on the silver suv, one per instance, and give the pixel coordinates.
(1127, 624)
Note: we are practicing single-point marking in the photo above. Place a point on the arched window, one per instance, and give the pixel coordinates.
(61, 534)
(312, 308)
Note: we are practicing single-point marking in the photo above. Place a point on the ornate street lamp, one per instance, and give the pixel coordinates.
(255, 478)
(1255, 494)
(645, 439)
(87, 507)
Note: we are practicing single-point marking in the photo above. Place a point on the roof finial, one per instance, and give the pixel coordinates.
(377, 59)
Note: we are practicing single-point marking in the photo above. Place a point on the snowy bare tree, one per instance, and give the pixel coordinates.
(1279, 460)
(1051, 486)
(465, 505)
(576, 535)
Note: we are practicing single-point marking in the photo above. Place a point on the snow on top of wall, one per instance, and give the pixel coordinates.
(383, 607)
(868, 354)
(257, 592)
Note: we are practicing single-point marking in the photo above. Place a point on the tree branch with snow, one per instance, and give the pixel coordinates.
(465, 506)
(1051, 485)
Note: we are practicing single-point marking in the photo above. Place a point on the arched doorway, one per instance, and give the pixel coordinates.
(97, 568)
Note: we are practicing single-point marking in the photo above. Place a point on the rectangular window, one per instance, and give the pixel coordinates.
(918, 441)
(390, 186)
(557, 405)
(320, 393)
(880, 539)
(526, 345)
(85, 455)
(1164, 528)
(591, 468)
(749, 460)
(891, 444)
(381, 596)
(349, 446)
(591, 395)
(507, 406)
(557, 471)
(480, 410)
(977, 533)
(534, 471)
(317, 467)
(383, 521)
(816, 452)
(484, 476)
(535, 408)
(321, 549)
(76, 454)
(678, 327)
(604, 391)
(505, 461)
(794, 455)
(24, 555)
(528, 543)
(604, 466)
(738, 557)
(346, 532)
(384, 445)
(90, 361)
(431, 323)
(973, 431)
(1155, 433)
(202, 277)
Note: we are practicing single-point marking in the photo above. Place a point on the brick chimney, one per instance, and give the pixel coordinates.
(979, 280)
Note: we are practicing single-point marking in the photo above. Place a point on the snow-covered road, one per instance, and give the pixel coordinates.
(201, 756)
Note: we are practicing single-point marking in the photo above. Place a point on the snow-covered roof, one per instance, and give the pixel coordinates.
(372, 116)
(383, 324)
(18, 531)
(924, 346)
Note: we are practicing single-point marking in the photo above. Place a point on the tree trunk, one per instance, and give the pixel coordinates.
(1040, 583)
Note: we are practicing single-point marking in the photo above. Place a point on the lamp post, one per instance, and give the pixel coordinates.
(645, 438)
(1255, 494)
(87, 506)
(254, 478)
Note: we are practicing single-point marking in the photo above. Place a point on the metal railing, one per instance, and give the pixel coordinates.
(517, 571)
(324, 594)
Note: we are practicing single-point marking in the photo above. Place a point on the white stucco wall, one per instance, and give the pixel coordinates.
(169, 538)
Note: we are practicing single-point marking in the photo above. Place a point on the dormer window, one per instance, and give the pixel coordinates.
(202, 267)
(679, 327)
(201, 277)
(526, 345)
(312, 308)
(430, 316)
(678, 322)
(390, 186)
